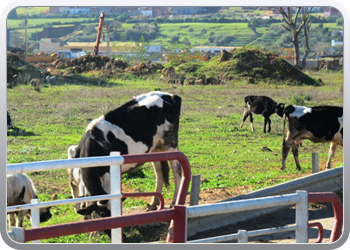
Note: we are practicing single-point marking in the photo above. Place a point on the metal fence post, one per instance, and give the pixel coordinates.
(35, 216)
(196, 182)
(302, 218)
(243, 236)
(17, 234)
(116, 205)
(314, 157)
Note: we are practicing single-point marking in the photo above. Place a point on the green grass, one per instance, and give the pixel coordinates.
(224, 155)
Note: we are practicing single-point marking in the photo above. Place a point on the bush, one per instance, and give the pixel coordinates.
(300, 99)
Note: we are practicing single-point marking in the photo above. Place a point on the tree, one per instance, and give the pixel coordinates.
(295, 25)
(305, 16)
(253, 24)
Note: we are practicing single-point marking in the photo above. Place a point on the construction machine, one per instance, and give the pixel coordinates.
(102, 16)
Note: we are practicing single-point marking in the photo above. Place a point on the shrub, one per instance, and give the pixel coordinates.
(300, 99)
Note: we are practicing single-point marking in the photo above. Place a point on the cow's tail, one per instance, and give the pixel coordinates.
(284, 129)
(165, 172)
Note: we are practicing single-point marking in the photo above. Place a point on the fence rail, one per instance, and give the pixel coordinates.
(113, 161)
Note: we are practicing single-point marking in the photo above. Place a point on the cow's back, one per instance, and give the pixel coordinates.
(20, 189)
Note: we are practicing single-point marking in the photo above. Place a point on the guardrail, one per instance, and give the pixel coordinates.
(301, 199)
(330, 180)
(44, 232)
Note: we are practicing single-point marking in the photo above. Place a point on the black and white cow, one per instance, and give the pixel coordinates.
(76, 183)
(20, 190)
(9, 121)
(260, 105)
(318, 124)
(148, 123)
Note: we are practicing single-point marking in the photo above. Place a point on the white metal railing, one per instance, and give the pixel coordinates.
(114, 161)
(300, 199)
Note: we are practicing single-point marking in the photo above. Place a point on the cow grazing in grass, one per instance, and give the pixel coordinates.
(76, 183)
(260, 105)
(20, 190)
(9, 121)
(148, 123)
(317, 124)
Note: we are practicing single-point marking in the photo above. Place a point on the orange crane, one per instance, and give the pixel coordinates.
(102, 16)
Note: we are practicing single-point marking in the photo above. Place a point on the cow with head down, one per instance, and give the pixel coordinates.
(147, 123)
(20, 190)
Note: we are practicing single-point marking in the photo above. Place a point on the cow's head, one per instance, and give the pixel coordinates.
(279, 108)
(45, 214)
(101, 210)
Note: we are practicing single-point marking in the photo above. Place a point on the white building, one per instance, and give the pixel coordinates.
(336, 43)
(146, 12)
(74, 10)
(153, 48)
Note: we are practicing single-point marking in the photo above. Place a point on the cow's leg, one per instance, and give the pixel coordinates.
(12, 219)
(106, 184)
(331, 153)
(75, 193)
(92, 182)
(20, 216)
(159, 185)
(265, 123)
(286, 146)
(295, 150)
(269, 123)
(245, 115)
(177, 172)
(251, 121)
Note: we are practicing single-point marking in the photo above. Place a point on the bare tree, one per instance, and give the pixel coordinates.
(295, 25)
(305, 16)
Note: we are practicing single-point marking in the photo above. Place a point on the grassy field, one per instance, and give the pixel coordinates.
(225, 156)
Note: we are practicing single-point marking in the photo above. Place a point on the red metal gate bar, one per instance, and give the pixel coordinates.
(320, 231)
(337, 208)
(126, 220)
(99, 224)
(166, 156)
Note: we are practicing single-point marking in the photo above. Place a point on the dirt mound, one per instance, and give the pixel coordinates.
(145, 68)
(248, 64)
(259, 64)
(19, 71)
(90, 63)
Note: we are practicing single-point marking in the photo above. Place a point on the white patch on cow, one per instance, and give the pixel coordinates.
(133, 147)
(151, 99)
(300, 111)
(94, 122)
(156, 138)
(340, 120)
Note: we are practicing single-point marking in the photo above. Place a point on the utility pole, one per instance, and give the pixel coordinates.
(108, 48)
(25, 38)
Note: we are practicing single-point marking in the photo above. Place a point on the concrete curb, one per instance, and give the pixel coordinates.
(325, 181)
